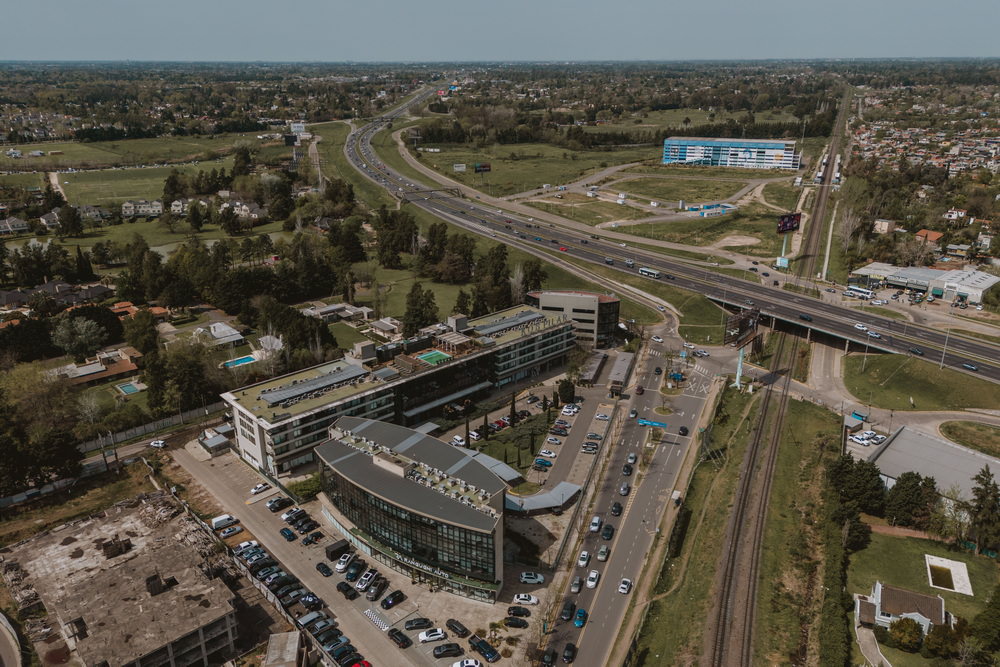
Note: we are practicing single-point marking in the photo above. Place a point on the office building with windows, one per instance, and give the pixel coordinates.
(595, 316)
(278, 422)
(418, 505)
(744, 153)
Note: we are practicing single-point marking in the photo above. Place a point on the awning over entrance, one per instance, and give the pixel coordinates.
(937, 291)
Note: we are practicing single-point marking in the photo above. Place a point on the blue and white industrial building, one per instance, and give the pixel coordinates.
(745, 153)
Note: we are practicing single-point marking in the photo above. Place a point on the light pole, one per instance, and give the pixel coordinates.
(945, 350)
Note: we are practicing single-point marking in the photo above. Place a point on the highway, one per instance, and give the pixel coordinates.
(519, 231)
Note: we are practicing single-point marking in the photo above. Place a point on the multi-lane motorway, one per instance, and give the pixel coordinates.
(518, 230)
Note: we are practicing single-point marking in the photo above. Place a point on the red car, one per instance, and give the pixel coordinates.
(562, 248)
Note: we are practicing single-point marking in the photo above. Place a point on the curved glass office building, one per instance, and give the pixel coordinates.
(418, 505)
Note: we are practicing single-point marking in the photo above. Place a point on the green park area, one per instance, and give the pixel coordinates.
(29, 180)
(899, 561)
(783, 195)
(588, 210)
(982, 437)
(900, 382)
(113, 186)
(664, 118)
(709, 172)
(522, 167)
(125, 152)
(689, 190)
(753, 221)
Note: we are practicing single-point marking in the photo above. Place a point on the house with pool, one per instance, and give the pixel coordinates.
(102, 367)
(279, 422)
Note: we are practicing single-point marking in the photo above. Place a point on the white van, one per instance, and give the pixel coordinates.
(223, 521)
(595, 524)
(311, 617)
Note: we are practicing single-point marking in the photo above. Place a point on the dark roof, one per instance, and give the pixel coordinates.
(359, 468)
(899, 601)
(866, 612)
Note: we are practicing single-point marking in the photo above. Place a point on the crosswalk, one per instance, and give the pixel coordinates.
(377, 619)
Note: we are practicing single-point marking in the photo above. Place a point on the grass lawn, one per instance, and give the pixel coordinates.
(588, 211)
(883, 312)
(671, 631)
(522, 167)
(899, 561)
(86, 497)
(687, 189)
(754, 220)
(112, 186)
(517, 445)
(108, 397)
(800, 289)
(898, 658)
(784, 195)
(23, 180)
(652, 120)
(982, 437)
(156, 234)
(717, 172)
(785, 608)
(127, 152)
(685, 254)
(890, 380)
(346, 335)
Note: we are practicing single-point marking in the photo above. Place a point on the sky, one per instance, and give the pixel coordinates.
(509, 30)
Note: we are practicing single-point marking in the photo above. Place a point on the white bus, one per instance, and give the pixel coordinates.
(859, 293)
(649, 273)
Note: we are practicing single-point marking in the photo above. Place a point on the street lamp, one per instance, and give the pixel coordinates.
(945, 350)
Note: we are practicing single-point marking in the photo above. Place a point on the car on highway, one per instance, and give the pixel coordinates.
(917, 351)
(616, 508)
(873, 334)
(625, 586)
(804, 316)
(432, 635)
(701, 353)
(970, 367)
(419, 623)
(689, 346)
(524, 598)
(631, 458)
(158, 444)
(624, 489)
(584, 559)
(547, 453)
(860, 327)
(531, 578)
(260, 488)
(627, 469)
(569, 653)
(607, 532)
(603, 553)
(580, 619)
(592, 578)
(656, 339)
(658, 371)
(639, 390)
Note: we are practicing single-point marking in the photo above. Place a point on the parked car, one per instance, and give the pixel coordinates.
(524, 598)
(515, 622)
(581, 618)
(451, 650)
(518, 611)
(594, 436)
(392, 599)
(532, 578)
(229, 532)
(592, 578)
(279, 503)
(288, 534)
(576, 585)
(260, 488)
(324, 569)
(568, 609)
(398, 638)
(354, 570)
(683, 430)
(347, 590)
(418, 623)
(456, 627)
(432, 635)
(366, 580)
(376, 589)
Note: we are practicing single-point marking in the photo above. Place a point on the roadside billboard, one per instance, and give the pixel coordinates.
(789, 222)
(458, 167)
(741, 327)
(482, 167)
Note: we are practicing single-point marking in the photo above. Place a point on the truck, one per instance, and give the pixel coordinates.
(484, 648)
(676, 497)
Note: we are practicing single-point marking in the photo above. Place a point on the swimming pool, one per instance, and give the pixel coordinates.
(433, 357)
(127, 388)
(249, 359)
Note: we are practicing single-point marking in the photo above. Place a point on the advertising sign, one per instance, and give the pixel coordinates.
(741, 327)
(482, 167)
(458, 167)
(781, 262)
(789, 222)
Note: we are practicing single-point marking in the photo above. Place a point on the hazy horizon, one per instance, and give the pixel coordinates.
(391, 31)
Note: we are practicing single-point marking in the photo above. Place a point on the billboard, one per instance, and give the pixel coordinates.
(482, 167)
(781, 262)
(458, 167)
(789, 222)
(440, 92)
(741, 327)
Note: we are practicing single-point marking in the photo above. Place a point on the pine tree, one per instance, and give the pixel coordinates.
(84, 270)
(462, 304)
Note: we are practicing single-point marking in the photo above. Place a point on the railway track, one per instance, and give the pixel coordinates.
(731, 636)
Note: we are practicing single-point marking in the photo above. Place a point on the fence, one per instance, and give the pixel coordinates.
(151, 427)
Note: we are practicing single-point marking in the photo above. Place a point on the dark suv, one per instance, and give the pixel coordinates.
(567, 611)
(392, 599)
(399, 639)
(460, 630)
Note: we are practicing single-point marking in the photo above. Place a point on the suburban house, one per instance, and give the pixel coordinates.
(244, 210)
(888, 603)
(984, 240)
(337, 311)
(13, 225)
(929, 237)
(219, 333)
(883, 226)
(50, 220)
(88, 212)
(955, 214)
(387, 326)
(958, 250)
(115, 364)
(181, 206)
(141, 207)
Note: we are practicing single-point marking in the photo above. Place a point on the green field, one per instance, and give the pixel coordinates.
(127, 152)
(784, 195)
(521, 167)
(690, 190)
(982, 437)
(753, 220)
(710, 172)
(113, 186)
(587, 210)
(654, 120)
(36, 180)
(346, 335)
(889, 381)
(899, 561)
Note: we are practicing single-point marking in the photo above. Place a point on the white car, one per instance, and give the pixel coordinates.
(432, 635)
(344, 562)
(872, 334)
(260, 488)
(689, 346)
(701, 353)
(656, 339)
(860, 327)
(868, 434)
(458, 440)
(625, 586)
(468, 662)
(474, 435)
(584, 559)
(547, 453)
(632, 458)
(532, 578)
(622, 245)
(158, 444)
(524, 598)
(553, 441)
(602, 417)
(592, 578)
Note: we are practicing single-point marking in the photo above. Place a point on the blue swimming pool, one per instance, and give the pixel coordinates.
(128, 388)
(249, 359)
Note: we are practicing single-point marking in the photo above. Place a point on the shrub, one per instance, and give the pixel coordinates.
(306, 489)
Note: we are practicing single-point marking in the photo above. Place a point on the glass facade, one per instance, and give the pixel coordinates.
(435, 547)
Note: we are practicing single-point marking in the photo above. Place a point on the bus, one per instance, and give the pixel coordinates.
(649, 273)
(859, 293)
